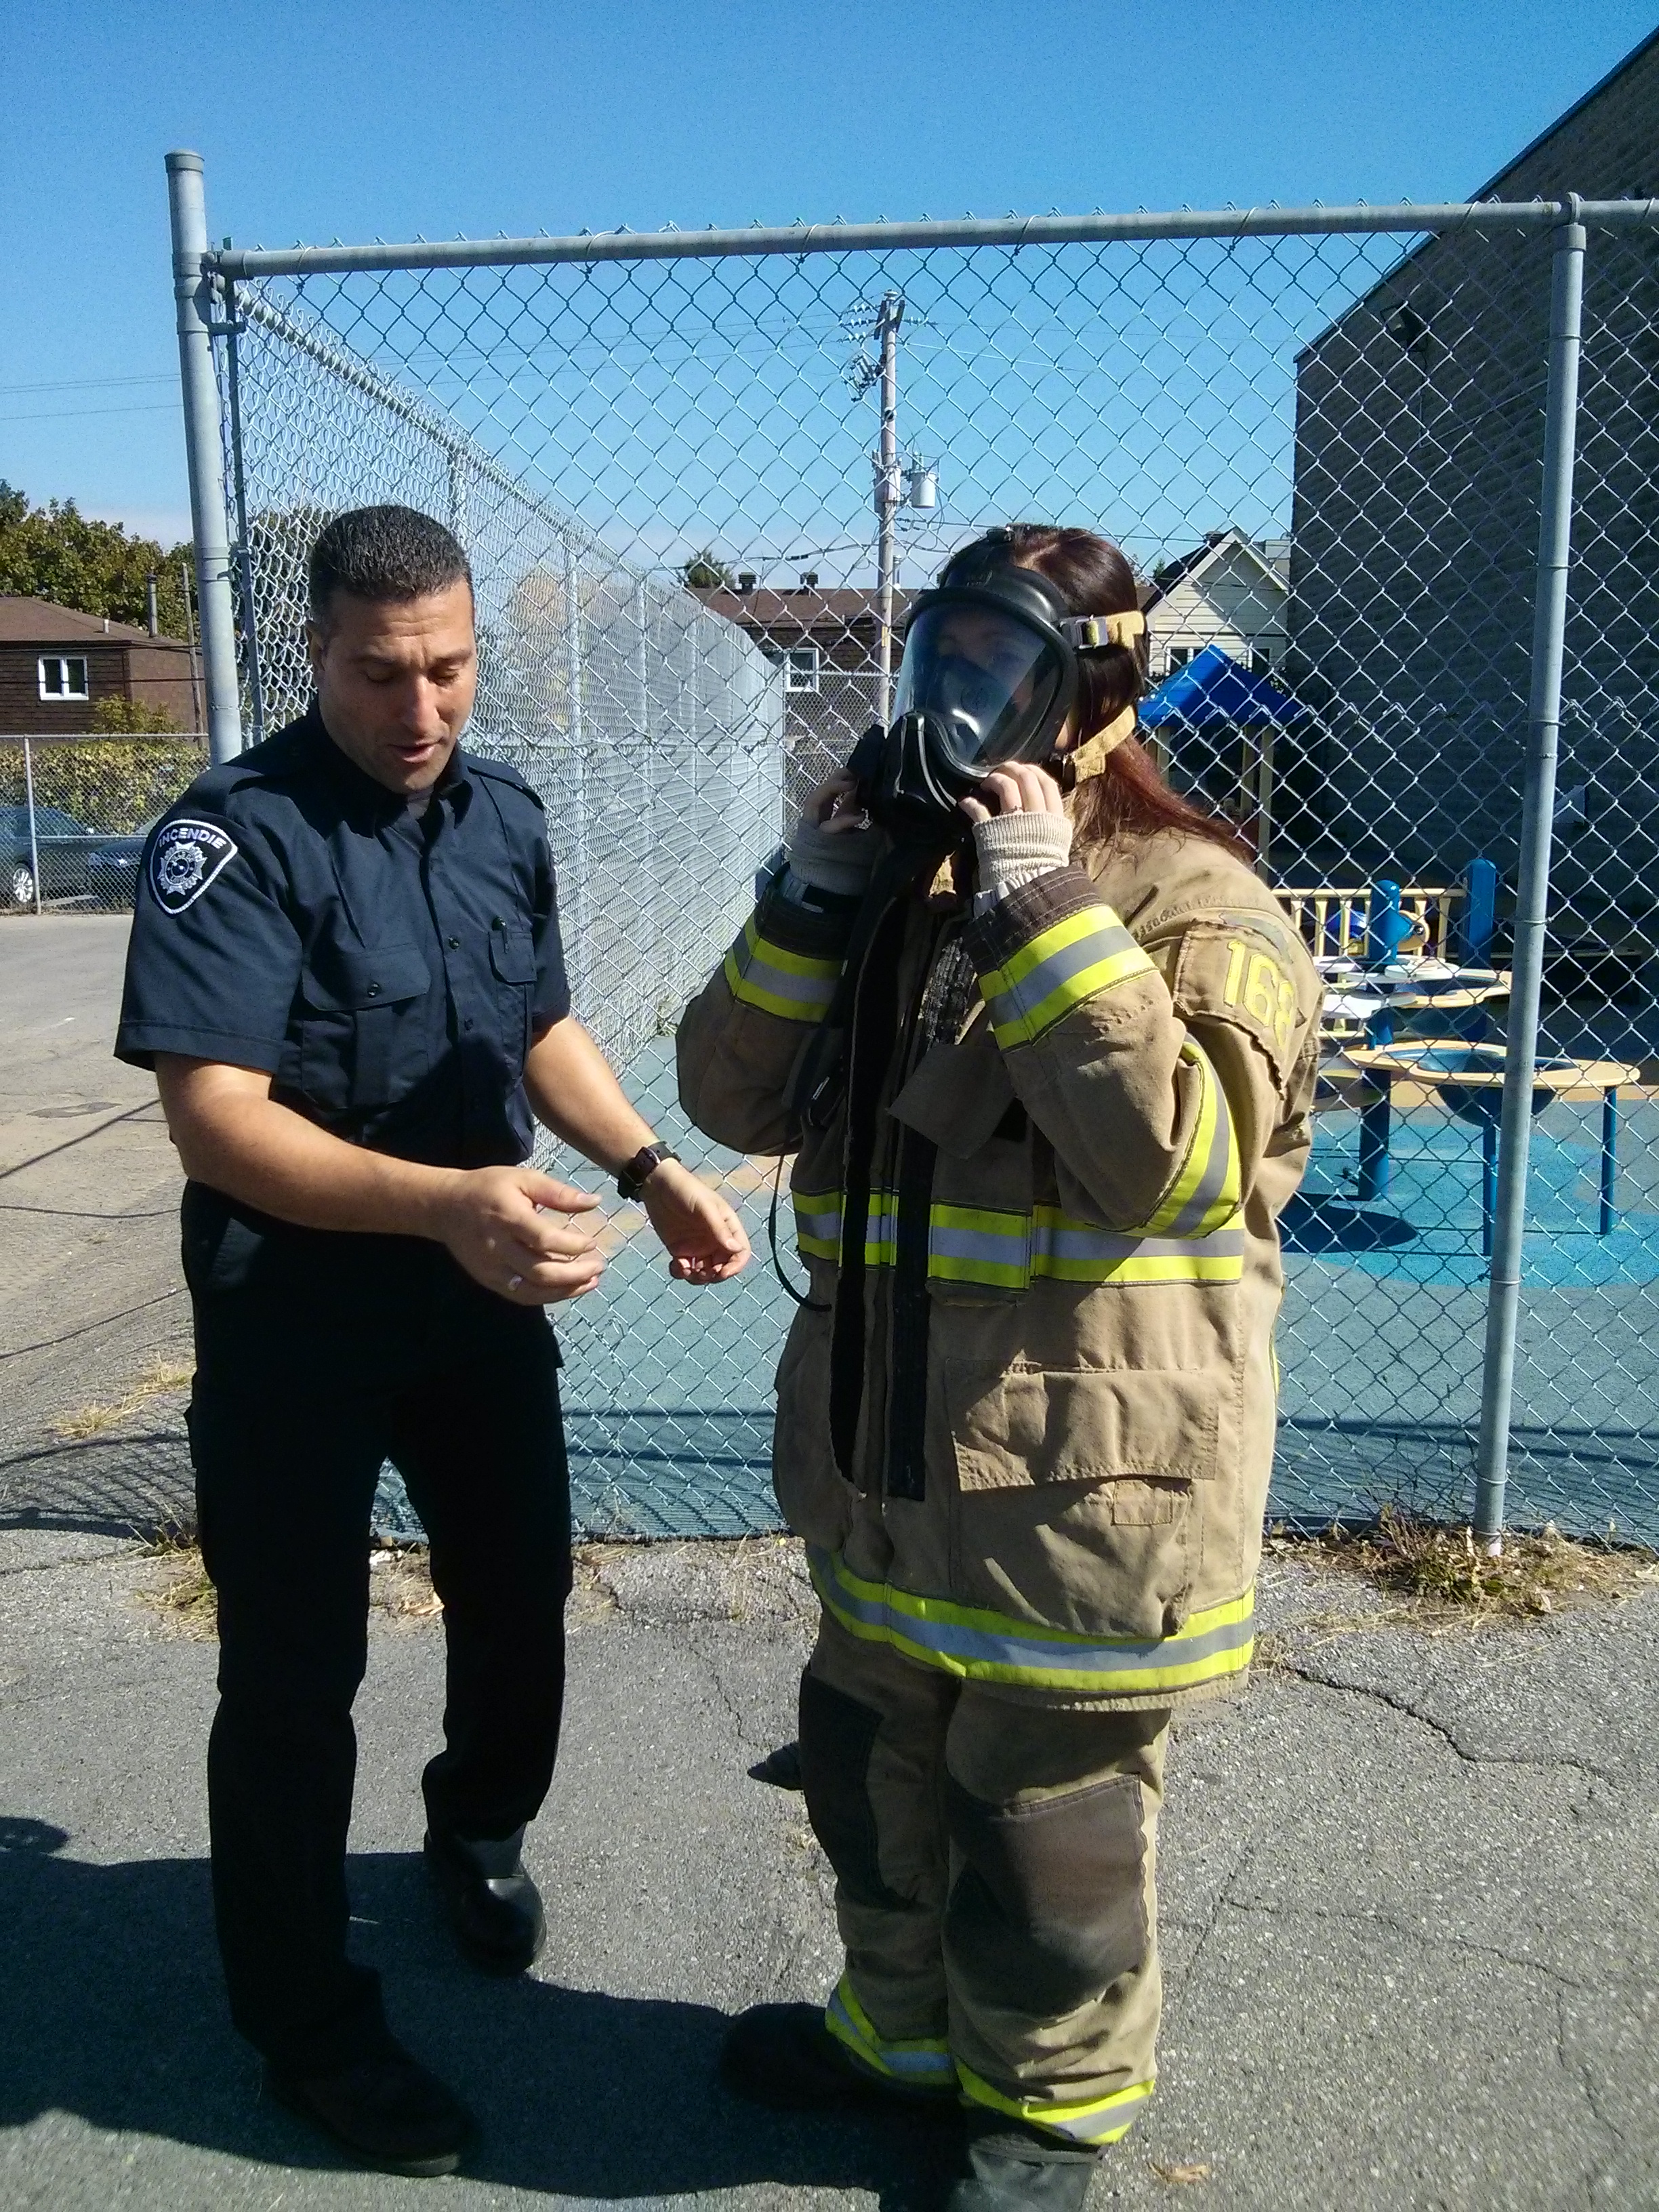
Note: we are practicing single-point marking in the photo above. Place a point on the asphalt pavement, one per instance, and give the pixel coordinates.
(1410, 1884)
(1410, 1915)
(91, 1303)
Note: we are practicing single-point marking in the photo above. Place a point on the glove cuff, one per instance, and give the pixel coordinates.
(1016, 848)
(841, 864)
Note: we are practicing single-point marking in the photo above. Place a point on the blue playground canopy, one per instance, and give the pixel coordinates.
(1213, 692)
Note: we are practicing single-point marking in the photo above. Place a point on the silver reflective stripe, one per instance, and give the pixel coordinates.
(974, 1641)
(1068, 1240)
(922, 2063)
(1017, 1000)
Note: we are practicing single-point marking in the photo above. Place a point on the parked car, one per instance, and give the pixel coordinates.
(64, 847)
(113, 870)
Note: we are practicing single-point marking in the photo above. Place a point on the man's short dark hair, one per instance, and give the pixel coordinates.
(385, 555)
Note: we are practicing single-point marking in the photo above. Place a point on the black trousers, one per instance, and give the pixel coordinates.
(318, 1356)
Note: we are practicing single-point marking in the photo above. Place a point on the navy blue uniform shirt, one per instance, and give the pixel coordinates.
(389, 970)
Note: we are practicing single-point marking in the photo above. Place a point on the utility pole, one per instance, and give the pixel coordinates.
(888, 496)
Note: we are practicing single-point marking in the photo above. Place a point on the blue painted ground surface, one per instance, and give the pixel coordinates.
(668, 1389)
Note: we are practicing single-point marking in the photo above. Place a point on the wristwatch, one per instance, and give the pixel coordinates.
(631, 1178)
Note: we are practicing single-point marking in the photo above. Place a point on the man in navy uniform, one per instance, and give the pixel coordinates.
(345, 971)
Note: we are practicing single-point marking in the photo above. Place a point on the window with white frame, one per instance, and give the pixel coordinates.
(800, 668)
(63, 678)
(1179, 656)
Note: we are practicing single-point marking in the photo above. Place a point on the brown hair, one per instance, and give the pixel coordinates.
(1129, 796)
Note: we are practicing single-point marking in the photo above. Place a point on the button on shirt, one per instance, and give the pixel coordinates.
(389, 967)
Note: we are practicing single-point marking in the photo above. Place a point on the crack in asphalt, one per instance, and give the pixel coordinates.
(1372, 1917)
(1397, 1705)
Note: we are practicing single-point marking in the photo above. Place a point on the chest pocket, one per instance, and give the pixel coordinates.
(364, 1038)
(513, 958)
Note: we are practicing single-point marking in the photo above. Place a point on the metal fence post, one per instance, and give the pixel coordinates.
(35, 839)
(1532, 893)
(239, 493)
(204, 447)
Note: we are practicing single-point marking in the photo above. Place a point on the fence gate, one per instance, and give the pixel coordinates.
(698, 474)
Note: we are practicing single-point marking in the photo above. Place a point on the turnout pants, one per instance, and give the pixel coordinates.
(317, 1356)
(993, 1866)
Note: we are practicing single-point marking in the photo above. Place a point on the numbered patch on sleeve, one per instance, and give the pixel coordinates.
(1243, 975)
(184, 860)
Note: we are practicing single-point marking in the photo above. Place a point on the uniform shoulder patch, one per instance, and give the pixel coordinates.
(186, 856)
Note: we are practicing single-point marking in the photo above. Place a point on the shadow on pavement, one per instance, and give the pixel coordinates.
(112, 2009)
(1325, 1222)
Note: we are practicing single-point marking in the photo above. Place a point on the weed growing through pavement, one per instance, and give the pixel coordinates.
(93, 1420)
(183, 1592)
(399, 1584)
(1441, 1573)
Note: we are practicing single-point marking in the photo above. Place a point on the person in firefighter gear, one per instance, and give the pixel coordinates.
(1044, 1046)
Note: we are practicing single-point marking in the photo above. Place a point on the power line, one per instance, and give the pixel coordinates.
(82, 414)
(91, 383)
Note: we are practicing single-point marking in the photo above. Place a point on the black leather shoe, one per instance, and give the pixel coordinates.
(386, 2111)
(494, 1908)
(1007, 2166)
(783, 2055)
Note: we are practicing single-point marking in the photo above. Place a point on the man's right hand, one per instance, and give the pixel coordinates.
(489, 1219)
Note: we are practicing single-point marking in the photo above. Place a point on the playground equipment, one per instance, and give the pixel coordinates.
(1468, 1079)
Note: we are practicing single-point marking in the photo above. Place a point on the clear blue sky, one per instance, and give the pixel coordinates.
(366, 117)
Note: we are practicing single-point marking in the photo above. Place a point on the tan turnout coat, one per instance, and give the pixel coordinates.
(1026, 1424)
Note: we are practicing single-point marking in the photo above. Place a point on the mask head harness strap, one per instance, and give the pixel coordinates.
(1087, 633)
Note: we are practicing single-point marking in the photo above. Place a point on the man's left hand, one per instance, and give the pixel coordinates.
(704, 1239)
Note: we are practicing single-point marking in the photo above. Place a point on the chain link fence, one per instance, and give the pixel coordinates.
(1324, 450)
(74, 814)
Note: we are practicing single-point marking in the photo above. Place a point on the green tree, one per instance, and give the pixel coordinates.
(704, 572)
(55, 552)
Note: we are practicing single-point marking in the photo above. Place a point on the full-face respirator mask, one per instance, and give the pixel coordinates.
(990, 673)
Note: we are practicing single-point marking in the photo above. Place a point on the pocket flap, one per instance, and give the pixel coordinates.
(1017, 1426)
(958, 1094)
(344, 977)
(512, 955)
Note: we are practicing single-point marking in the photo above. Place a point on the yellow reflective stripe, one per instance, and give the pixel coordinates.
(1087, 983)
(1096, 2120)
(1060, 967)
(979, 1244)
(791, 985)
(923, 2061)
(978, 1644)
(1205, 1193)
(818, 1220)
(1055, 939)
(1183, 1267)
(1009, 1251)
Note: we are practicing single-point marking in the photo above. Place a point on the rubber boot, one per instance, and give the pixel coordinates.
(1007, 2166)
(783, 2055)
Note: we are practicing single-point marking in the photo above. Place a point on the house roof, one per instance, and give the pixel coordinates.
(1213, 692)
(810, 608)
(1190, 565)
(41, 622)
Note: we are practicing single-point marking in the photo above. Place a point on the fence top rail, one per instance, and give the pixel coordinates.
(879, 237)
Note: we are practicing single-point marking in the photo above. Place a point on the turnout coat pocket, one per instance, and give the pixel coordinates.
(1075, 1487)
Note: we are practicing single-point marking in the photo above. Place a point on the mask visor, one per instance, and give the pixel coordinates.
(985, 682)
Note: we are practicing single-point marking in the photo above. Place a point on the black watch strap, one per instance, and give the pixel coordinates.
(631, 1178)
